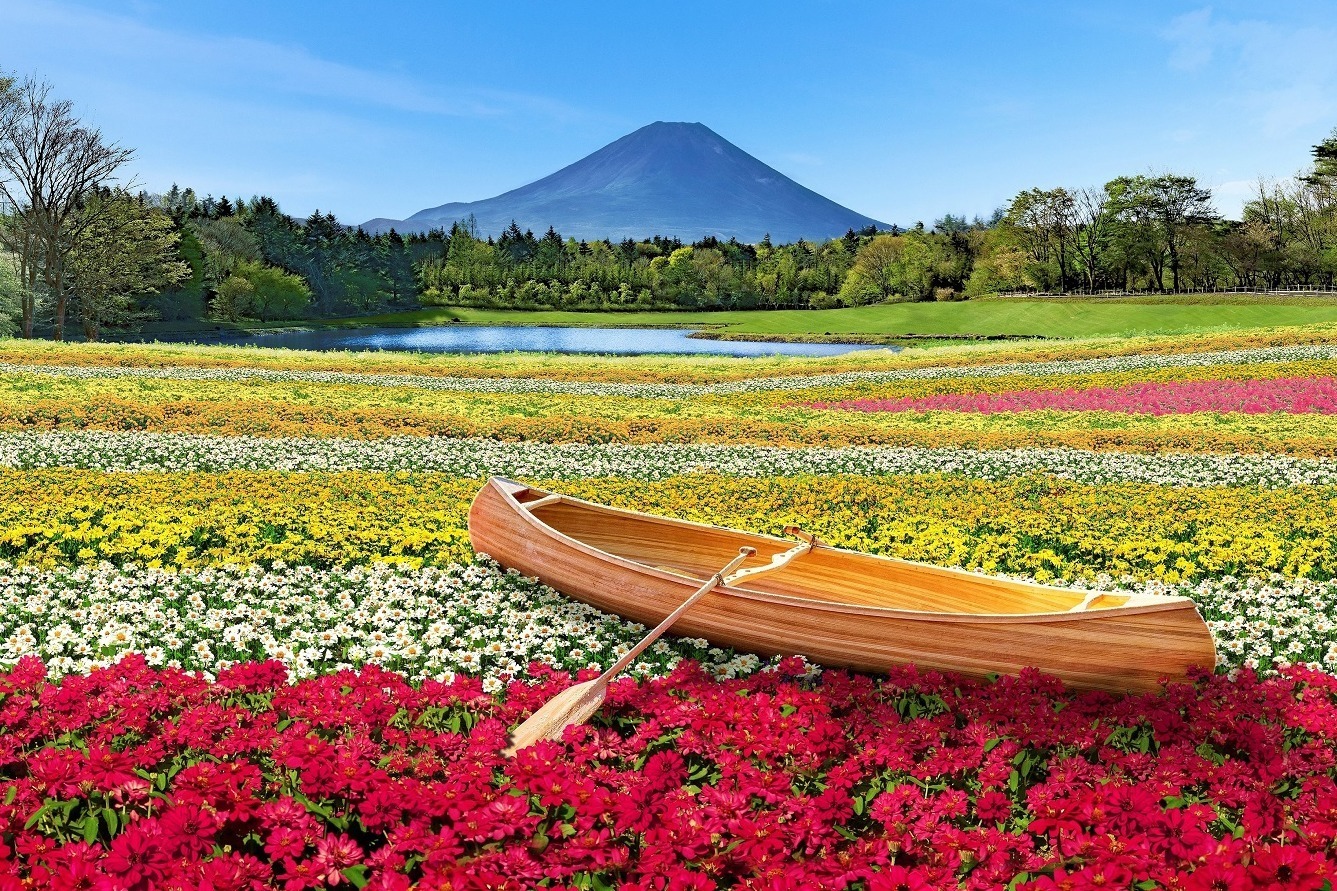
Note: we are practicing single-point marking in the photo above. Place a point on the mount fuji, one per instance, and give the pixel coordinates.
(670, 179)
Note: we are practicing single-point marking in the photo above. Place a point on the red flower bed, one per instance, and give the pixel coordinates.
(136, 778)
(1298, 395)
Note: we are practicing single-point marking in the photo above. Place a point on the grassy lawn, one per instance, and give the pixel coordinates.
(1048, 317)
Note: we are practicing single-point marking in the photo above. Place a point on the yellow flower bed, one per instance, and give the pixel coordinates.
(1013, 382)
(1037, 526)
(69, 517)
(590, 419)
(19, 390)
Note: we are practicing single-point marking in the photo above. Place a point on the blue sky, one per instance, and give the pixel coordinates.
(902, 111)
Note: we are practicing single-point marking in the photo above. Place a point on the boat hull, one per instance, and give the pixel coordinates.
(1121, 649)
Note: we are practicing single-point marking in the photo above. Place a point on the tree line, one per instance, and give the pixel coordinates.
(1161, 232)
(1145, 232)
(523, 271)
(81, 250)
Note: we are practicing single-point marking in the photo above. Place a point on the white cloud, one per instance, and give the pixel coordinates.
(1193, 40)
(1282, 77)
(271, 69)
(227, 113)
(1230, 196)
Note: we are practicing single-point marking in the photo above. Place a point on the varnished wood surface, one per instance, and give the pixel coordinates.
(837, 607)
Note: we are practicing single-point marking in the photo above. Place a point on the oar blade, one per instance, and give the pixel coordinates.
(574, 705)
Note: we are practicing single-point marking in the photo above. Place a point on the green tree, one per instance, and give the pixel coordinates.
(234, 299)
(1156, 215)
(10, 300)
(50, 163)
(1045, 223)
(186, 300)
(225, 242)
(1000, 264)
(255, 290)
(891, 267)
(1324, 172)
(125, 250)
(1094, 219)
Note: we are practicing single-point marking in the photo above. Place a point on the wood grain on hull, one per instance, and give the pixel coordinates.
(838, 608)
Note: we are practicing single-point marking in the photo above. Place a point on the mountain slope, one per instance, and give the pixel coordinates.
(672, 179)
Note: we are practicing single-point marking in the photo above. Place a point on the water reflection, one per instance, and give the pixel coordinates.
(506, 338)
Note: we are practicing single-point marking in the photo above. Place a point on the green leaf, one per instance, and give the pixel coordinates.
(10, 794)
(90, 828)
(113, 822)
(357, 875)
(47, 807)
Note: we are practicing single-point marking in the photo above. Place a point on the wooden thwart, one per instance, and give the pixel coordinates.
(542, 502)
(779, 561)
(1087, 601)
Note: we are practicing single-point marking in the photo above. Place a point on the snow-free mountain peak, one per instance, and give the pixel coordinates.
(667, 178)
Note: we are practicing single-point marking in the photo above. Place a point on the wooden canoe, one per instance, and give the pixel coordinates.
(836, 607)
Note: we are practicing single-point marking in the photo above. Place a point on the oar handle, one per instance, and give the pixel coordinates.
(710, 585)
(798, 532)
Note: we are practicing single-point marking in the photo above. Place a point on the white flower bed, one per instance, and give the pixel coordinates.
(1266, 622)
(138, 452)
(474, 620)
(1261, 623)
(683, 391)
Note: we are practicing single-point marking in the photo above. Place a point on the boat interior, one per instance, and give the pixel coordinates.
(821, 573)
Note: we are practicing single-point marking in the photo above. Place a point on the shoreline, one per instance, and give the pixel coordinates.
(899, 324)
(864, 339)
(718, 334)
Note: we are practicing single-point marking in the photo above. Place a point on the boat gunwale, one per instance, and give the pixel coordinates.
(1168, 602)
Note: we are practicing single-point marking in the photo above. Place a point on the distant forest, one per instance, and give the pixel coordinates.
(76, 251)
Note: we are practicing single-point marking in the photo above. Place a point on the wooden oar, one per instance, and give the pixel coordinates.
(575, 705)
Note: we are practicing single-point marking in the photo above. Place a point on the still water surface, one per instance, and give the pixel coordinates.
(505, 338)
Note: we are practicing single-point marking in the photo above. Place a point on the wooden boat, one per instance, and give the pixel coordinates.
(836, 607)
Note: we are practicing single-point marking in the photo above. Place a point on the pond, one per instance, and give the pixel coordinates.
(507, 338)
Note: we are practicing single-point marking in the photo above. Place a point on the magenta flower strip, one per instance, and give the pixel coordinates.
(1292, 395)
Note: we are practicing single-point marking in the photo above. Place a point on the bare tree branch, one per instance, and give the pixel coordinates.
(50, 163)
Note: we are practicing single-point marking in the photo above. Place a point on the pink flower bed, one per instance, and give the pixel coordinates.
(136, 779)
(1294, 395)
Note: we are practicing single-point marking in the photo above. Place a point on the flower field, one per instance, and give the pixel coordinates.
(244, 641)
(139, 777)
(1293, 395)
